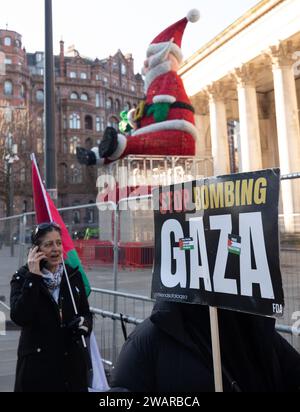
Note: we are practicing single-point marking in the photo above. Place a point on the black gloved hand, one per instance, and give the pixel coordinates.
(79, 326)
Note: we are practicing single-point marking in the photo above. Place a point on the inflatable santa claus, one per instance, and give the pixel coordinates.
(162, 124)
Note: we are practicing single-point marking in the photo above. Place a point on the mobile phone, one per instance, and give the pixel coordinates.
(43, 262)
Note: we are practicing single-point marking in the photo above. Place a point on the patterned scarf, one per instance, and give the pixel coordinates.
(53, 280)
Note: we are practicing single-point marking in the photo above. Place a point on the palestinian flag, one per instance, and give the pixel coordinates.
(46, 211)
(234, 244)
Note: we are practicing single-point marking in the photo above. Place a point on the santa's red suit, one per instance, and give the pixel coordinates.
(164, 122)
(175, 135)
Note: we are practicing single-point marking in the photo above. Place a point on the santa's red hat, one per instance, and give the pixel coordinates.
(173, 33)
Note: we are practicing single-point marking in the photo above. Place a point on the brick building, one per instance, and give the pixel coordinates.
(89, 96)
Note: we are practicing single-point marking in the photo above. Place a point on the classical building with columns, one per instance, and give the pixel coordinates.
(245, 87)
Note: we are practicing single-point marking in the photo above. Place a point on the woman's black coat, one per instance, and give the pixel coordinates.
(49, 358)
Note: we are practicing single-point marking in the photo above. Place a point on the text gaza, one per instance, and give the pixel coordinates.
(250, 228)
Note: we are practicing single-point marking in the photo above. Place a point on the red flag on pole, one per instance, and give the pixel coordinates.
(46, 211)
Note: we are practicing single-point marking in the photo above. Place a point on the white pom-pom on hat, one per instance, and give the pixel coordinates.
(193, 15)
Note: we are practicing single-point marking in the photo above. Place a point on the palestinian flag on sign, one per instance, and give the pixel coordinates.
(234, 244)
(46, 211)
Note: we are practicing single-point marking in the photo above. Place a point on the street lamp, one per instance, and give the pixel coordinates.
(10, 157)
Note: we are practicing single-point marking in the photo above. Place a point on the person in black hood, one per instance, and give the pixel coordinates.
(51, 357)
(171, 352)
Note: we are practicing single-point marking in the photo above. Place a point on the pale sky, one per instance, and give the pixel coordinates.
(98, 28)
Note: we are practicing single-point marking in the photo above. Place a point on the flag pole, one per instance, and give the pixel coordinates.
(216, 352)
(33, 158)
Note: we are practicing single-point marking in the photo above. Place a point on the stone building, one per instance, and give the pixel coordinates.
(245, 86)
(89, 96)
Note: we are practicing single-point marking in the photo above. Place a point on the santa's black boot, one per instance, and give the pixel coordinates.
(86, 157)
(109, 143)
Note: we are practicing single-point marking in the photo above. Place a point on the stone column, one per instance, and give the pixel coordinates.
(287, 126)
(250, 150)
(218, 128)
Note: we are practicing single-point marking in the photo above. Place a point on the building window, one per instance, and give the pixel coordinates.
(105, 79)
(132, 88)
(18, 43)
(23, 91)
(88, 122)
(109, 103)
(118, 105)
(76, 217)
(123, 69)
(98, 77)
(39, 96)
(7, 41)
(8, 88)
(38, 57)
(83, 76)
(39, 145)
(74, 121)
(73, 75)
(74, 142)
(84, 97)
(97, 99)
(65, 145)
(98, 124)
(75, 174)
(74, 96)
(65, 123)
(7, 61)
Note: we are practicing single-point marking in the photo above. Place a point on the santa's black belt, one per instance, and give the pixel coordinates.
(175, 105)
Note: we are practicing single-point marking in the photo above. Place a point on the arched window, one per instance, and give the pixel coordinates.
(8, 88)
(76, 213)
(23, 90)
(39, 96)
(84, 97)
(74, 96)
(90, 216)
(7, 41)
(74, 121)
(118, 105)
(88, 122)
(75, 174)
(74, 142)
(109, 103)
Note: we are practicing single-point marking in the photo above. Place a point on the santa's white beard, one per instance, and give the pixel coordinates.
(156, 71)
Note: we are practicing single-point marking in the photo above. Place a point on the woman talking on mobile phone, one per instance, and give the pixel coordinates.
(50, 352)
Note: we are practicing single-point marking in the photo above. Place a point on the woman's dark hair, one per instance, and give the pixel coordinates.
(41, 230)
